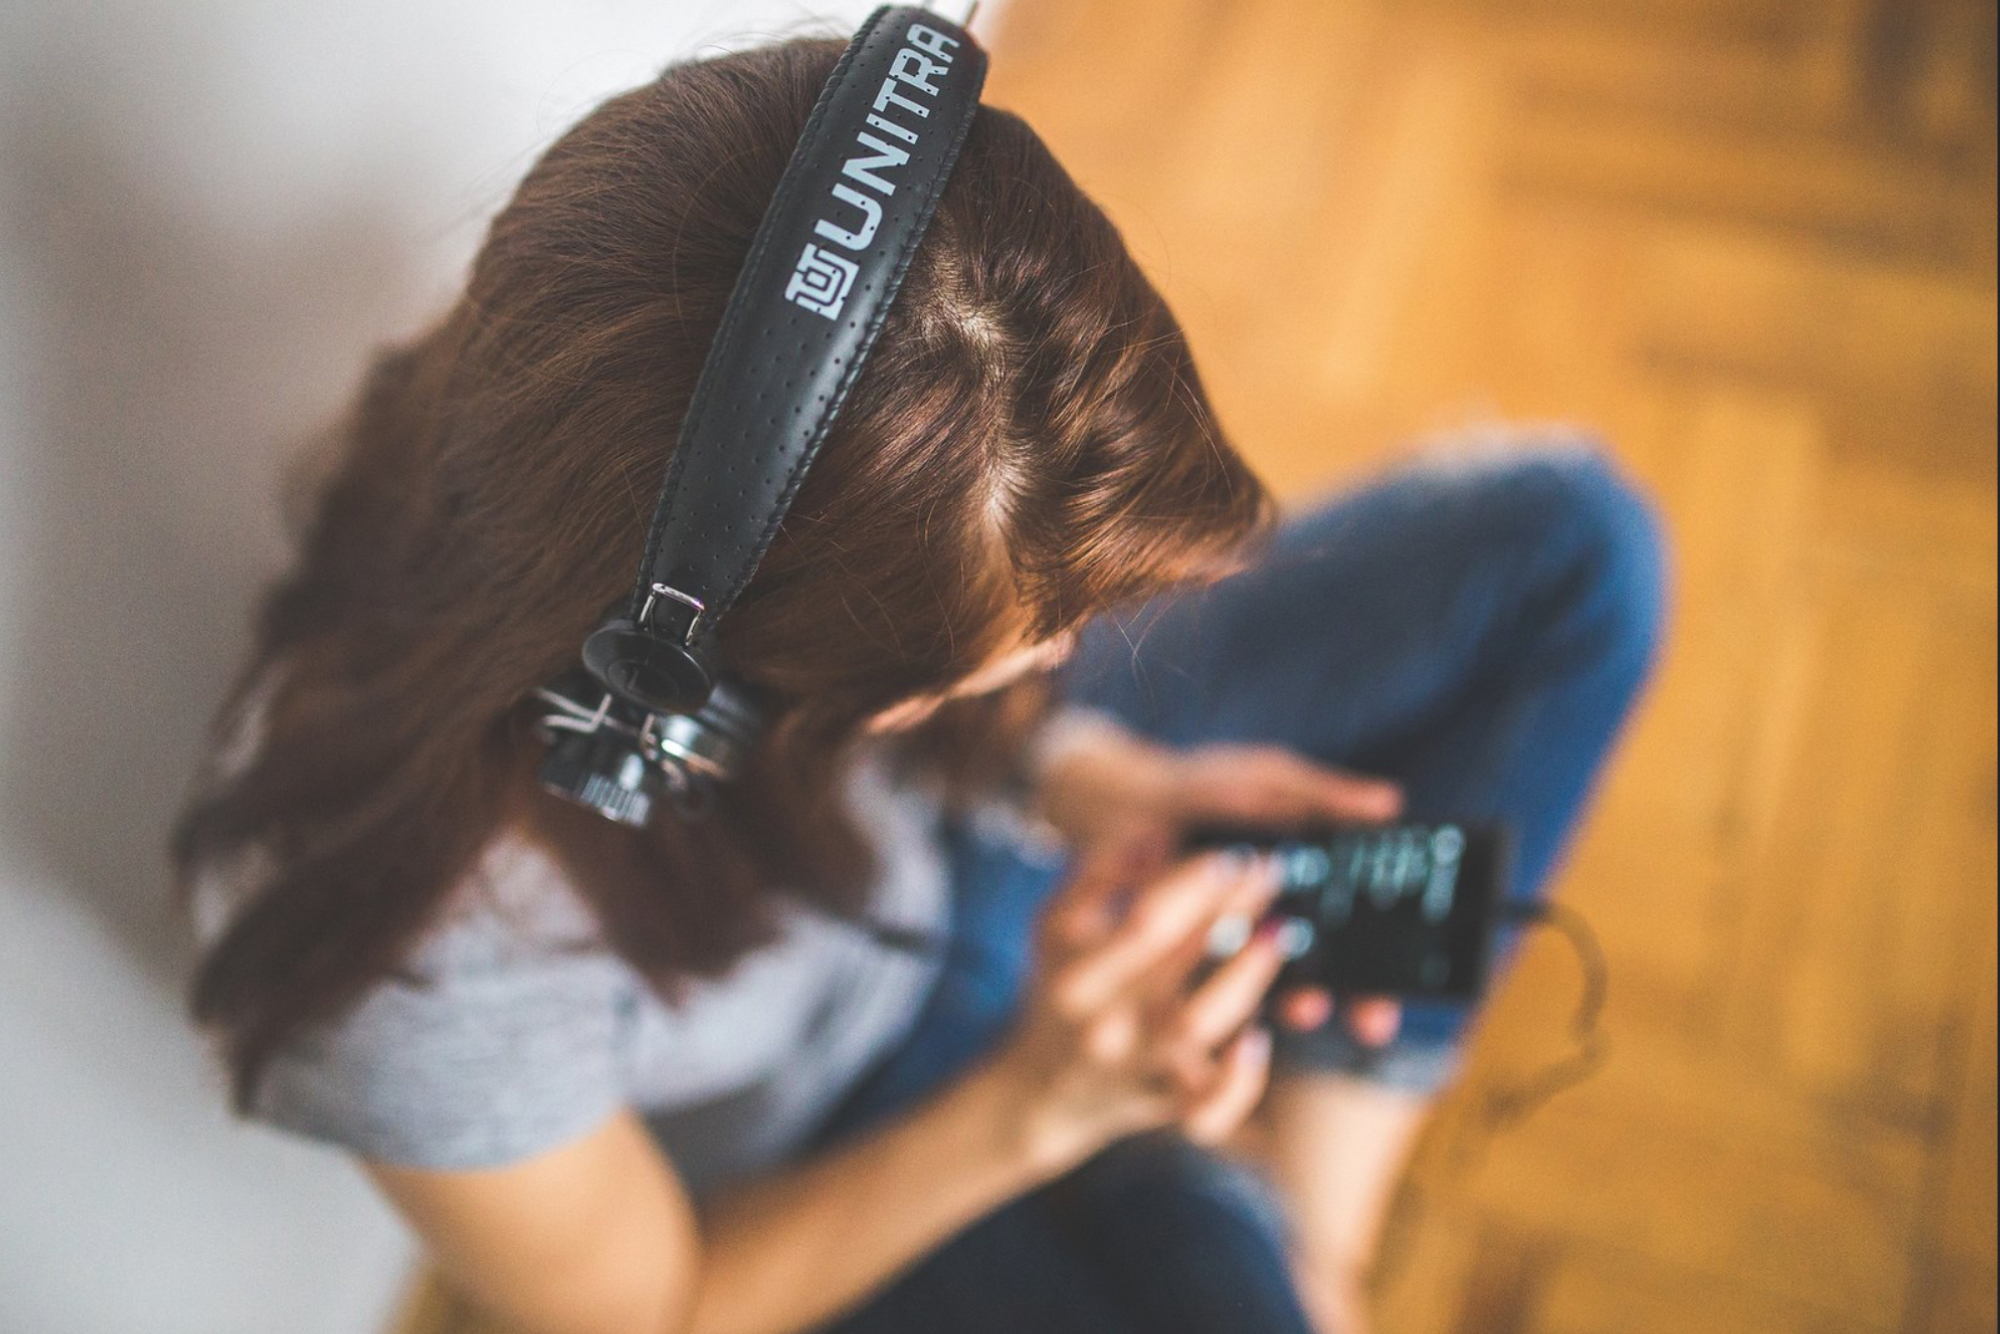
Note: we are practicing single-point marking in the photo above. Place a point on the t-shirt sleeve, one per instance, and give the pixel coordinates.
(485, 1057)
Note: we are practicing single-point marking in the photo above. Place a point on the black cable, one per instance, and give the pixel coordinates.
(1510, 1106)
(1506, 1108)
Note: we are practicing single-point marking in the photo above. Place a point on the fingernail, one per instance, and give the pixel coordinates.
(1230, 863)
(1295, 937)
(1257, 1046)
(1228, 936)
(1306, 1011)
(1291, 937)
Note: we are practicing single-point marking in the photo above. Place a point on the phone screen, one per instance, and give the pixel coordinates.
(1395, 910)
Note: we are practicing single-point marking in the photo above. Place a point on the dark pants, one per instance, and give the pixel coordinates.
(1475, 627)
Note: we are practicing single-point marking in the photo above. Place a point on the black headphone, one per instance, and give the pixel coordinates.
(647, 711)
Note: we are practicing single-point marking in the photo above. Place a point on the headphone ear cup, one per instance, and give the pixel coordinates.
(645, 670)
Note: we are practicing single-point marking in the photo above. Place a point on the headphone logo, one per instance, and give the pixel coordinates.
(822, 281)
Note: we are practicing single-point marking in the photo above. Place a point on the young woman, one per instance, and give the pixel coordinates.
(883, 1042)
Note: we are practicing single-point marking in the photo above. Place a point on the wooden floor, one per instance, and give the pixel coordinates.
(1752, 241)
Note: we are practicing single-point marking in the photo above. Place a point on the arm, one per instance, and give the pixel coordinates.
(796, 1249)
(599, 1236)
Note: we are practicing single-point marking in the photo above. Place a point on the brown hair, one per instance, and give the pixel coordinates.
(1028, 445)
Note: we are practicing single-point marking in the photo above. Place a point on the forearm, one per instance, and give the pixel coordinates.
(599, 1235)
(784, 1254)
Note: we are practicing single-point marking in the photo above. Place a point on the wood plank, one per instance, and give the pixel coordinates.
(1880, 203)
(1741, 303)
(1688, 1159)
(1601, 1290)
(1947, 957)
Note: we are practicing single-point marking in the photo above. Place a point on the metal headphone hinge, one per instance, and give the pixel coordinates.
(694, 624)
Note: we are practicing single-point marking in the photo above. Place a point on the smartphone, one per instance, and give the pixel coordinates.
(1406, 910)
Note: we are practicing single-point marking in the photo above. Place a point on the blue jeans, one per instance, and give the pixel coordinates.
(1475, 627)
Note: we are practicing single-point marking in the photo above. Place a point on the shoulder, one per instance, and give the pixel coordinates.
(503, 1034)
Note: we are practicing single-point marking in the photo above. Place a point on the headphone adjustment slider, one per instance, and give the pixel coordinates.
(694, 624)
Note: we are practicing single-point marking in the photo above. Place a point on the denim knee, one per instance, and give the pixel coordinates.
(1586, 554)
(1597, 535)
(1625, 552)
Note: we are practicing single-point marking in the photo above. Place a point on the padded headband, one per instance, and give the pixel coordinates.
(822, 272)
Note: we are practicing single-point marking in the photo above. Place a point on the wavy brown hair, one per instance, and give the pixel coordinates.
(1028, 445)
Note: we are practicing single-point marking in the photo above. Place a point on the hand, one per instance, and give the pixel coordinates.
(1104, 784)
(1099, 782)
(1117, 1037)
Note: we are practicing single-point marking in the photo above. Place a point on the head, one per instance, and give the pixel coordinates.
(1029, 444)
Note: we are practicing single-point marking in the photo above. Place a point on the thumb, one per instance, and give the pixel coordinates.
(1102, 874)
(1357, 796)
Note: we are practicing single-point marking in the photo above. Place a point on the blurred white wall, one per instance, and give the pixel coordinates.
(209, 212)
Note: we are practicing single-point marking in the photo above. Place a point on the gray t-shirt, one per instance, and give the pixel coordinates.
(525, 1030)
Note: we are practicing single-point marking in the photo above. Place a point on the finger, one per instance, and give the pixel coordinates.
(1229, 998)
(1161, 939)
(1276, 784)
(1305, 1009)
(1090, 902)
(1239, 1086)
(1313, 791)
(1225, 935)
(1250, 797)
(1164, 916)
(1281, 800)
(1374, 1021)
(1356, 796)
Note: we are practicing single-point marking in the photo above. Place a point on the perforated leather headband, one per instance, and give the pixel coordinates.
(822, 272)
